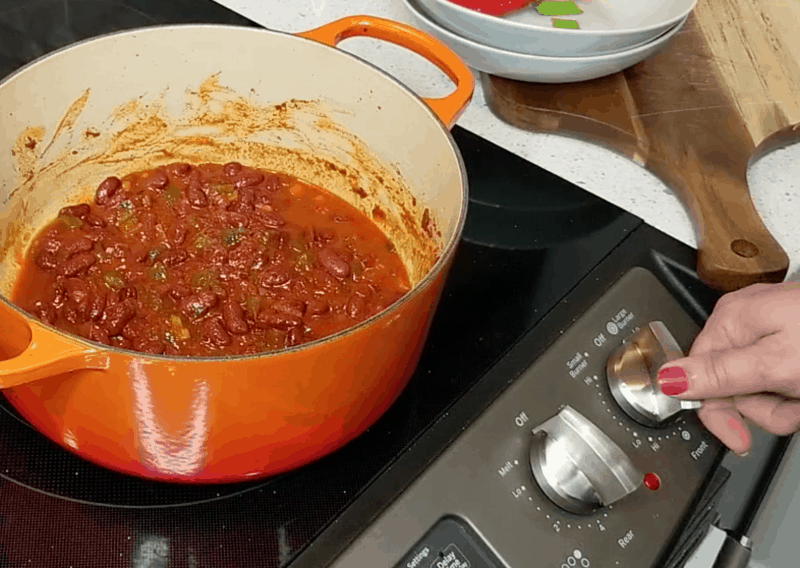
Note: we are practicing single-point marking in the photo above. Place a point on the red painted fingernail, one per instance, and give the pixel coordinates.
(672, 381)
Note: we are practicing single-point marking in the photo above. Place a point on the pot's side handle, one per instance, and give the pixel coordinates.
(448, 108)
(44, 353)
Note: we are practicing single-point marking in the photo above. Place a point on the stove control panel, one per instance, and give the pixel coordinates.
(580, 462)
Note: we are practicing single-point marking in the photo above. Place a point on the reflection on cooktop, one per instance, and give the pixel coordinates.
(31, 28)
(31, 460)
(516, 207)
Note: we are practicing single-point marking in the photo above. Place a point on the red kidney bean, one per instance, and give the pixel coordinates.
(363, 290)
(356, 306)
(274, 277)
(45, 260)
(245, 203)
(262, 199)
(151, 346)
(177, 235)
(175, 257)
(291, 307)
(218, 256)
(196, 196)
(294, 336)
(45, 312)
(140, 255)
(323, 235)
(215, 333)
(157, 180)
(50, 244)
(333, 263)
(231, 169)
(149, 222)
(99, 334)
(134, 329)
(142, 201)
(248, 179)
(76, 264)
(179, 291)
(94, 234)
(80, 211)
(97, 304)
(316, 307)
(301, 287)
(197, 305)
(271, 219)
(277, 321)
(118, 315)
(273, 183)
(241, 207)
(79, 245)
(181, 169)
(121, 342)
(59, 293)
(235, 219)
(75, 315)
(112, 299)
(243, 257)
(233, 318)
(77, 290)
(324, 281)
(94, 221)
(128, 293)
(107, 190)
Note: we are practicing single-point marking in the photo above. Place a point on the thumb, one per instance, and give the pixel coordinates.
(717, 374)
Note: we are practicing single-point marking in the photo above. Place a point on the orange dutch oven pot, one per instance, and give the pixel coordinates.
(293, 103)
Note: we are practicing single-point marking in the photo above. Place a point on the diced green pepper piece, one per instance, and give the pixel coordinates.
(113, 280)
(565, 24)
(558, 8)
(232, 236)
(71, 222)
(172, 195)
(179, 332)
(202, 241)
(158, 272)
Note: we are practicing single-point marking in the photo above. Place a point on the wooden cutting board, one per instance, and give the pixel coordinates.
(726, 90)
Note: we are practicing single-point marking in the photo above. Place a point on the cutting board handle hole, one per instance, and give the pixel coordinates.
(744, 248)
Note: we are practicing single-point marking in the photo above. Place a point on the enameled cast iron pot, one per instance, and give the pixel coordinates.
(292, 103)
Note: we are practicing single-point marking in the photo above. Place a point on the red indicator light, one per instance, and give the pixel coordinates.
(651, 481)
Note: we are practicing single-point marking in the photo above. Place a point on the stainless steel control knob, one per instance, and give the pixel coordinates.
(632, 371)
(577, 466)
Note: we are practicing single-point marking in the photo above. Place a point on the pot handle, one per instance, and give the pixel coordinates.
(44, 353)
(448, 108)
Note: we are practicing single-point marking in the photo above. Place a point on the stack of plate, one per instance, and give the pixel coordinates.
(612, 35)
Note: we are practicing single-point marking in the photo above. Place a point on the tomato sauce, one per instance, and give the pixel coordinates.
(209, 260)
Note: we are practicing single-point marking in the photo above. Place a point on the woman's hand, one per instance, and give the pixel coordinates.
(744, 363)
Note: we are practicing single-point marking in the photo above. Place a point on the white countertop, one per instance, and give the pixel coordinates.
(774, 180)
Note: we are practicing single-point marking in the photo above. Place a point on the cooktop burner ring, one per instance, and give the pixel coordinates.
(94, 484)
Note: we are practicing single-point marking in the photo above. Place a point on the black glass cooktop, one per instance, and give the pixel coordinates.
(530, 238)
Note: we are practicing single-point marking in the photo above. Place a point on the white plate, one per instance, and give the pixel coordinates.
(537, 68)
(606, 26)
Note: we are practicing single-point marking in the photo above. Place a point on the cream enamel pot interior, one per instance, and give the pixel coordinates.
(292, 103)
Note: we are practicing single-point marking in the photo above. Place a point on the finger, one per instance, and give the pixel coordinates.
(726, 423)
(742, 317)
(771, 364)
(773, 413)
